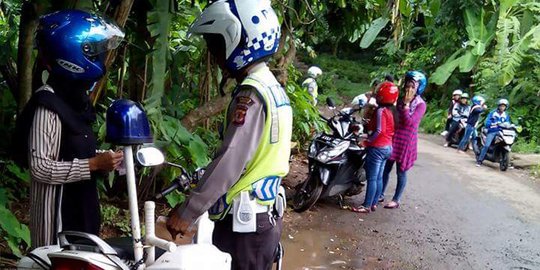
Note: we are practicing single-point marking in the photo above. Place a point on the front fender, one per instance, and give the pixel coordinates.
(324, 174)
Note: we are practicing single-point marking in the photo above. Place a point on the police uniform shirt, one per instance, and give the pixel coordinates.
(246, 117)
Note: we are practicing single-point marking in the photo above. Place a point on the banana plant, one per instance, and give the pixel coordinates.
(480, 35)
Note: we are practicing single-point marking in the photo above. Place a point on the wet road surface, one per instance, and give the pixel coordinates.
(453, 216)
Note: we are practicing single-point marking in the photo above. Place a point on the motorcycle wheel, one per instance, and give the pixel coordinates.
(305, 198)
(503, 164)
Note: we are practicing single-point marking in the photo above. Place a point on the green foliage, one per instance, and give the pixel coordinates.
(16, 235)
(306, 116)
(434, 120)
(373, 31)
(116, 218)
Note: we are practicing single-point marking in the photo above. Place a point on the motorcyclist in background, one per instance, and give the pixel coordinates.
(310, 84)
(493, 120)
(478, 107)
(460, 111)
(456, 95)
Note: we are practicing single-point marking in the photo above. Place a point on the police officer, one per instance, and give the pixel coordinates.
(310, 84)
(240, 186)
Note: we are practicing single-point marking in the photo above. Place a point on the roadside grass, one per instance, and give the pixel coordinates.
(342, 79)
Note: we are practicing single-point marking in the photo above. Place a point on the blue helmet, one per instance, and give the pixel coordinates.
(73, 43)
(250, 29)
(478, 100)
(418, 77)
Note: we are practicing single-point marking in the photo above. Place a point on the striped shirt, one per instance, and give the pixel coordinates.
(47, 175)
(404, 147)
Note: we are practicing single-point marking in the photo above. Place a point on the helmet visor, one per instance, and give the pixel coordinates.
(104, 35)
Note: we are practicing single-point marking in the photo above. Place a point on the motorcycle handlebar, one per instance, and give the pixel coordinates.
(181, 184)
(168, 190)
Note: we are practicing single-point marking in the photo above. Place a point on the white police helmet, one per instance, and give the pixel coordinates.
(250, 29)
(314, 72)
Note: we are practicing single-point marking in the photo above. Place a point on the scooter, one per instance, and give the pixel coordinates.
(127, 125)
(500, 148)
(335, 162)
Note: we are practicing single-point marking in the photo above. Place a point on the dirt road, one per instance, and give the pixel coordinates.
(453, 216)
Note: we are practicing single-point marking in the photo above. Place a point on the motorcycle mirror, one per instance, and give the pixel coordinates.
(330, 102)
(150, 156)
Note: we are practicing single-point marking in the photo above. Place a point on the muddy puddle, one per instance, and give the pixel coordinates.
(312, 249)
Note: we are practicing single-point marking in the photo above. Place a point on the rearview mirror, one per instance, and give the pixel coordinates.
(150, 156)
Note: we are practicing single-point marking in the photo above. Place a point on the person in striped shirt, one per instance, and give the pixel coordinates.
(54, 131)
(410, 109)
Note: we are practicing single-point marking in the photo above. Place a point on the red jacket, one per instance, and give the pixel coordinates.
(381, 126)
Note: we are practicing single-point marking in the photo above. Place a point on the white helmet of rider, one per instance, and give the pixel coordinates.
(457, 92)
(314, 72)
(250, 29)
(503, 101)
(360, 100)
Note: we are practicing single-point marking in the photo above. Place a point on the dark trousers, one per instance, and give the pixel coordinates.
(249, 251)
(448, 123)
(80, 207)
(453, 128)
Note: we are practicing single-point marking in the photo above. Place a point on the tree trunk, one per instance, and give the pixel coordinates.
(335, 46)
(207, 110)
(120, 16)
(282, 75)
(28, 25)
(137, 68)
(9, 73)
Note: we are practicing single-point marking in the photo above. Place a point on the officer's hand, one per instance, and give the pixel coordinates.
(106, 161)
(176, 225)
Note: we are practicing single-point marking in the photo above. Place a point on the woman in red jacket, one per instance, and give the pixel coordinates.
(379, 145)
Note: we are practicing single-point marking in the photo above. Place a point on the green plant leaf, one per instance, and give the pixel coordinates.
(467, 61)
(13, 244)
(373, 31)
(159, 23)
(175, 198)
(20, 173)
(443, 72)
(198, 153)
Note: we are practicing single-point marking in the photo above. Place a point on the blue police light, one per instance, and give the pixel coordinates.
(127, 124)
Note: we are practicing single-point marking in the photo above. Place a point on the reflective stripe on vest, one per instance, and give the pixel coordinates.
(270, 163)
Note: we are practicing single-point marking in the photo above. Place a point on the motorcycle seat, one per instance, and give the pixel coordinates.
(124, 248)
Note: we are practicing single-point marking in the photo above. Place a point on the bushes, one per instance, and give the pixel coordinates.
(434, 120)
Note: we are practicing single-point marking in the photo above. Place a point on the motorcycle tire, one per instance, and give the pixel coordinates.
(305, 199)
(503, 164)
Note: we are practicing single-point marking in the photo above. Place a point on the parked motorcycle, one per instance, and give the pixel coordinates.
(335, 161)
(84, 251)
(500, 148)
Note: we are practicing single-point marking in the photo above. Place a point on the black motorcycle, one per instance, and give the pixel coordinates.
(335, 162)
(500, 148)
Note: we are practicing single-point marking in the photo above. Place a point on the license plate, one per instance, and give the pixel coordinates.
(326, 138)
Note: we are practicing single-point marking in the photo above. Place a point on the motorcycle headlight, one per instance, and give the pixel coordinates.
(330, 154)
